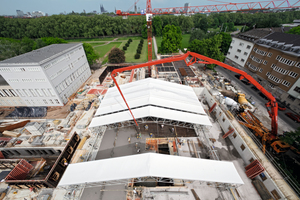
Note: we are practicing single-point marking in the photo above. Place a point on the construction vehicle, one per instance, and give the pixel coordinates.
(268, 136)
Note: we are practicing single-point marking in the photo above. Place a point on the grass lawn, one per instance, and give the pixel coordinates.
(132, 37)
(185, 40)
(92, 39)
(131, 51)
(102, 50)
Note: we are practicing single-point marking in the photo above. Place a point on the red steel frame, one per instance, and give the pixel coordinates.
(229, 7)
(272, 105)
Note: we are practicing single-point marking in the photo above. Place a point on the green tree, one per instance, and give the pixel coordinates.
(91, 55)
(226, 41)
(144, 30)
(292, 138)
(203, 24)
(39, 43)
(157, 26)
(171, 40)
(295, 30)
(52, 40)
(27, 45)
(208, 47)
(116, 56)
(197, 34)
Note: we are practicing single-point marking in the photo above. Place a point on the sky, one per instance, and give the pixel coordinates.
(9, 7)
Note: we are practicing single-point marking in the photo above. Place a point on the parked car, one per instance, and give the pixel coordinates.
(254, 88)
(263, 96)
(293, 116)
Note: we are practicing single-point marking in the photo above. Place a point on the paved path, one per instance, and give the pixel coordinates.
(155, 46)
(106, 43)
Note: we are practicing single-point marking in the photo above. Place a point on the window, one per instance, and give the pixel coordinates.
(56, 101)
(261, 70)
(270, 54)
(278, 57)
(286, 83)
(260, 52)
(39, 92)
(45, 101)
(27, 92)
(255, 49)
(297, 89)
(274, 78)
(26, 80)
(21, 93)
(45, 92)
(280, 70)
(40, 80)
(13, 80)
(265, 62)
(286, 61)
(228, 53)
(245, 53)
(253, 67)
(275, 194)
(242, 60)
(236, 57)
(298, 65)
(239, 50)
(248, 46)
(33, 92)
(251, 56)
(273, 65)
(51, 92)
(293, 74)
(290, 97)
(271, 86)
(248, 63)
(256, 59)
(13, 92)
(234, 135)
(7, 93)
(230, 47)
(241, 44)
(2, 93)
(268, 74)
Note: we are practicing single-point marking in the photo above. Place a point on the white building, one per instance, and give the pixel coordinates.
(44, 77)
(242, 45)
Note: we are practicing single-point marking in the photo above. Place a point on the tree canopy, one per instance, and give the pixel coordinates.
(171, 39)
(295, 30)
(208, 47)
(116, 56)
(91, 55)
(157, 26)
(226, 41)
(292, 138)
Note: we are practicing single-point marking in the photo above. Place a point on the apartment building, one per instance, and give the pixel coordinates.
(44, 77)
(275, 62)
(241, 46)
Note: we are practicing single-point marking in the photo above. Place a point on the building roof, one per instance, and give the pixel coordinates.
(39, 55)
(253, 34)
(151, 98)
(284, 37)
(151, 165)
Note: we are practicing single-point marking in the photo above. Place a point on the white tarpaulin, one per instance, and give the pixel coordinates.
(151, 98)
(151, 165)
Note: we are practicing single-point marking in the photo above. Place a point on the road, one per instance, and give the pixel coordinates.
(256, 98)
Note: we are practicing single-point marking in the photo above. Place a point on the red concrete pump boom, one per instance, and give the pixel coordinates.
(272, 105)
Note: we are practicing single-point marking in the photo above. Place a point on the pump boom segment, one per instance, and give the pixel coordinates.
(272, 105)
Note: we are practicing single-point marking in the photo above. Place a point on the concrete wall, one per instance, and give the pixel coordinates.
(237, 141)
(12, 99)
(237, 50)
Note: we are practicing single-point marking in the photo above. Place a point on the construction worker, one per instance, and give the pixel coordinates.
(146, 127)
(138, 151)
(151, 135)
(129, 139)
(162, 126)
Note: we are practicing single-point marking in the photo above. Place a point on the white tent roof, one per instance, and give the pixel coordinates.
(154, 98)
(151, 164)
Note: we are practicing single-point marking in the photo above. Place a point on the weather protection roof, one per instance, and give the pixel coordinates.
(151, 98)
(151, 165)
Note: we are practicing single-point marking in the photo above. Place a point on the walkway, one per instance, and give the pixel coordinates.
(155, 46)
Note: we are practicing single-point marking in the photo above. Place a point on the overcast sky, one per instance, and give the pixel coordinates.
(9, 7)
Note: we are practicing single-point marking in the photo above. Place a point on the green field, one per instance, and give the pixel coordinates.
(94, 39)
(131, 51)
(102, 50)
(184, 42)
(132, 37)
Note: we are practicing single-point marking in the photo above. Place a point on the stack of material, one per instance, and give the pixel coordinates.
(74, 119)
(12, 125)
(65, 122)
(36, 128)
(11, 134)
(86, 119)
